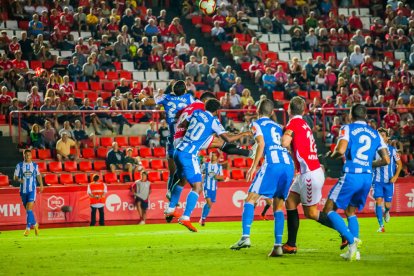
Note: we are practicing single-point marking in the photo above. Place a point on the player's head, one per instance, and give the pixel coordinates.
(296, 106)
(144, 176)
(206, 96)
(213, 156)
(27, 154)
(179, 88)
(95, 178)
(385, 134)
(212, 105)
(358, 112)
(265, 108)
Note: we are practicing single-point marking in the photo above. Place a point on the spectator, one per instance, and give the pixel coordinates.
(253, 49)
(81, 137)
(238, 85)
(281, 78)
(132, 164)
(68, 129)
(336, 126)
(228, 78)
(251, 110)
(49, 135)
(26, 47)
(269, 80)
(63, 146)
(120, 49)
(319, 64)
(291, 88)
(238, 53)
(36, 139)
(103, 117)
(35, 26)
(118, 117)
(89, 71)
(192, 69)
(217, 32)
(311, 40)
(235, 100)
(354, 22)
(75, 70)
(97, 192)
(142, 190)
(189, 85)
(5, 101)
(391, 119)
(151, 29)
(115, 159)
(266, 23)
(320, 80)
(152, 136)
(90, 117)
(163, 132)
(177, 69)
(356, 58)
(182, 49)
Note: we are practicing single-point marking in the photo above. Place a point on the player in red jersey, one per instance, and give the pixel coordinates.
(307, 185)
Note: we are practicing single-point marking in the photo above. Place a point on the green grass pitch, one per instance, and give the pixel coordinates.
(170, 249)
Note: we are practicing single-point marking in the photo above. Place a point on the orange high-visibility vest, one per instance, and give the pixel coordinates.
(97, 189)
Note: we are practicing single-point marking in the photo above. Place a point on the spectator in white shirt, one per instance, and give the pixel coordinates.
(235, 100)
(182, 49)
(356, 58)
(218, 32)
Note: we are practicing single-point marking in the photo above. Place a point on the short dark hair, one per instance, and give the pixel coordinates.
(179, 88)
(95, 177)
(384, 130)
(297, 105)
(207, 95)
(27, 151)
(266, 107)
(359, 112)
(144, 172)
(212, 105)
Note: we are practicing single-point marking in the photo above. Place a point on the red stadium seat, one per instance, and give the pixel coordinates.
(154, 176)
(317, 54)
(137, 176)
(99, 165)
(122, 177)
(82, 85)
(51, 179)
(165, 175)
(206, 28)
(237, 174)
(85, 166)
(145, 163)
(122, 141)
(106, 141)
(101, 152)
(42, 166)
(245, 66)
(272, 55)
(278, 95)
(35, 64)
(79, 94)
(70, 166)
(66, 178)
(157, 164)
(44, 154)
(105, 95)
(303, 94)
(109, 86)
(159, 152)
(111, 178)
(23, 24)
(145, 152)
(111, 75)
(226, 174)
(249, 162)
(196, 20)
(118, 66)
(126, 75)
(4, 180)
(95, 86)
(55, 166)
(48, 64)
(239, 162)
(314, 94)
(88, 153)
(81, 178)
(135, 141)
(100, 74)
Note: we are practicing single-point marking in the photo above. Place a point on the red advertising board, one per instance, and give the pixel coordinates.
(119, 204)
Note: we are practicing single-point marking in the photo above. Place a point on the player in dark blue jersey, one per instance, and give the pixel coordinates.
(383, 182)
(358, 143)
(273, 180)
(28, 175)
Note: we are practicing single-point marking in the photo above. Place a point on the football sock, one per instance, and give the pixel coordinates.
(340, 226)
(265, 209)
(191, 203)
(175, 196)
(378, 212)
(324, 220)
(231, 148)
(293, 226)
(31, 221)
(279, 224)
(206, 210)
(353, 226)
(247, 218)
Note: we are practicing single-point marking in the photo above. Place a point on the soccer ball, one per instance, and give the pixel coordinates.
(208, 7)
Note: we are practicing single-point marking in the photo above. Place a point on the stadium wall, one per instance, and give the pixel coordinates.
(119, 204)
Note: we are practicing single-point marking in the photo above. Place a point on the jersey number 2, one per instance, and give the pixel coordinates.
(366, 145)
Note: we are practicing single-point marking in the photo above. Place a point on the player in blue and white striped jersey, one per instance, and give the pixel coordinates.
(28, 175)
(273, 180)
(383, 182)
(213, 172)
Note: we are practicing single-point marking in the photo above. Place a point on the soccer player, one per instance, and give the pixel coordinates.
(384, 179)
(273, 179)
(307, 186)
(28, 175)
(203, 124)
(213, 172)
(358, 143)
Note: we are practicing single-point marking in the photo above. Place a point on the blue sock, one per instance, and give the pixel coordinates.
(31, 221)
(353, 225)
(206, 210)
(191, 203)
(340, 226)
(247, 218)
(279, 225)
(175, 196)
(378, 212)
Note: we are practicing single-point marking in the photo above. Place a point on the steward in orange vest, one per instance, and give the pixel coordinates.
(97, 191)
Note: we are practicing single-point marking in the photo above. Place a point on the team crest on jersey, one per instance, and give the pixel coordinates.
(342, 133)
(28, 174)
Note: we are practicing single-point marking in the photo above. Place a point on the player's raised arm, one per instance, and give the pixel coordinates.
(234, 137)
(342, 144)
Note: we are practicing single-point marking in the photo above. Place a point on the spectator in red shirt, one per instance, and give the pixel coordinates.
(68, 87)
(176, 30)
(355, 96)
(35, 97)
(354, 22)
(61, 30)
(68, 16)
(54, 17)
(5, 100)
(163, 31)
(335, 128)
(391, 119)
(18, 64)
(388, 95)
(5, 63)
(250, 112)
(14, 46)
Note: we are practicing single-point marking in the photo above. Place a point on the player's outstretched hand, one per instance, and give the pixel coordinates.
(250, 174)
(40, 189)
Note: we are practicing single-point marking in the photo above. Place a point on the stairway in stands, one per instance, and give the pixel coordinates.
(10, 156)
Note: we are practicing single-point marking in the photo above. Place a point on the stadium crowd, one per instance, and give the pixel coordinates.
(120, 31)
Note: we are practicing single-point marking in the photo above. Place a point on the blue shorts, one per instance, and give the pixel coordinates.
(351, 190)
(273, 180)
(383, 190)
(208, 193)
(28, 197)
(187, 166)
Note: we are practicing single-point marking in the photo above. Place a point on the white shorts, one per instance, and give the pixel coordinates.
(309, 186)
